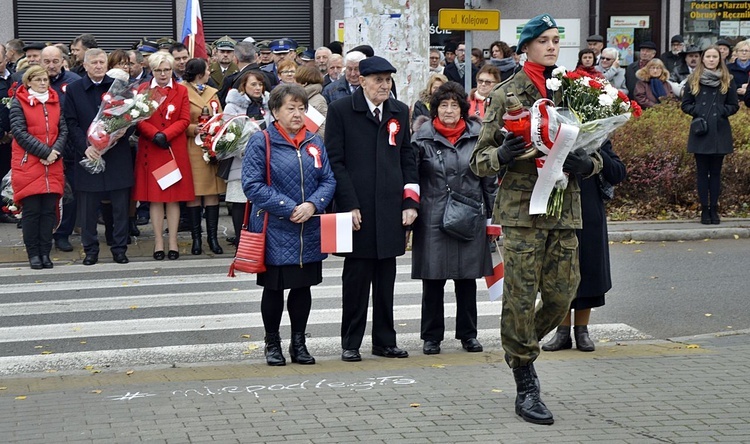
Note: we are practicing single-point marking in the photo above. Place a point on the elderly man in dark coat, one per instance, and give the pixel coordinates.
(81, 105)
(367, 138)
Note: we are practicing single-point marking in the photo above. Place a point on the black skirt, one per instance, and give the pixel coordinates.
(589, 302)
(291, 276)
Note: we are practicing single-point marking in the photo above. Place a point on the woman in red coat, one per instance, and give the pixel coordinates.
(39, 136)
(162, 138)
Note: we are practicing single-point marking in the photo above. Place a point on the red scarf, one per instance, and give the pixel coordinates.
(298, 138)
(452, 134)
(535, 72)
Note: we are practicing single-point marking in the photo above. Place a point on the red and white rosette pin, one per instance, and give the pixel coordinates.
(393, 128)
(314, 151)
(214, 106)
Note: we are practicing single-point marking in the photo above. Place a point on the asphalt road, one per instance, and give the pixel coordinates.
(188, 311)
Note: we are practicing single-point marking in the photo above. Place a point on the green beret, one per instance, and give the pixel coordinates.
(534, 28)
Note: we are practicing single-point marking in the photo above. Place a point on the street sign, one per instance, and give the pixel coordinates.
(469, 19)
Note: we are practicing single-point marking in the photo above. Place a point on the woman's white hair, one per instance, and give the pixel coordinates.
(157, 58)
(611, 52)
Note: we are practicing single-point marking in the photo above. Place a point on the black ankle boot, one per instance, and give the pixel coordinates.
(705, 215)
(583, 342)
(561, 340)
(194, 215)
(713, 213)
(298, 349)
(212, 226)
(274, 356)
(529, 405)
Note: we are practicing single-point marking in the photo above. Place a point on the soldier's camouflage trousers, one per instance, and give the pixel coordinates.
(536, 260)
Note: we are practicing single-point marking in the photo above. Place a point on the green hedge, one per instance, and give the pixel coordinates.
(661, 174)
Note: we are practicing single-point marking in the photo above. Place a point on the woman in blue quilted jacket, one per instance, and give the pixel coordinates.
(302, 185)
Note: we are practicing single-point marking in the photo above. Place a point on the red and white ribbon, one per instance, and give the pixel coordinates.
(314, 151)
(411, 191)
(554, 138)
(170, 110)
(214, 106)
(393, 128)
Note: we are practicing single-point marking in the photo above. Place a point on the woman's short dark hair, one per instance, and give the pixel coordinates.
(259, 76)
(193, 69)
(448, 91)
(117, 57)
(491, 70)
(293, 91)
(504, 48)
(583, 52)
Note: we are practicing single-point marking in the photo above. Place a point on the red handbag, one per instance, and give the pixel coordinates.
(251, 250)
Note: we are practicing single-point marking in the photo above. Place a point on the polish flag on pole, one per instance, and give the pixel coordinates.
(336, 231)
(313, 119)
(192, 30)
(495, 282)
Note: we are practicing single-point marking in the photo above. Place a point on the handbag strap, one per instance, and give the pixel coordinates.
(442, 165)
(246, 218)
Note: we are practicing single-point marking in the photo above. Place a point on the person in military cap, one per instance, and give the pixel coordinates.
(646, 52)
(540, 251)
(165, 44)
(224, 64)
(265, 55)
(368, 142)
(282, 48)
(306, 57)
(596, 43)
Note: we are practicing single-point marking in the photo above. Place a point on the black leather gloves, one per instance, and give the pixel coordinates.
(578, 161)
(160, 140)
(512, 146)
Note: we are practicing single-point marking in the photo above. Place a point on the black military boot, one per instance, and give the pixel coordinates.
(529, 405)
(561, 340)
(298, 349)
(705, 214)
(583, 342)
(713, 213)
(212, 226)
(274, 356)
(194, 215)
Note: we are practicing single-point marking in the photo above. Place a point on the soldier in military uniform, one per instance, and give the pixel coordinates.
(224, 65)
(540, 252)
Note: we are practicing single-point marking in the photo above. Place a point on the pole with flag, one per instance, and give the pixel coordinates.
(192, 30)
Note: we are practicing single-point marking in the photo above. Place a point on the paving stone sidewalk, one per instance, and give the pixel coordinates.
(693, 390)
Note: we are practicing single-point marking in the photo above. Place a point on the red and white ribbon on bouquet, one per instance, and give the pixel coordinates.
(554, 138)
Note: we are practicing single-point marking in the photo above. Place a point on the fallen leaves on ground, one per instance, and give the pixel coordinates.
(129, 372)
(96, 392)
(20, 398)
(496, 391)
(245, 336)
(438, 365)
(693, 346)
(414, 404)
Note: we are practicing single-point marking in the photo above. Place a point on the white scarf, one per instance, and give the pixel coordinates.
(42, 97)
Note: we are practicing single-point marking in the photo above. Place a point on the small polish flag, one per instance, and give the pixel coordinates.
(495, 282)
(313, 119)
(336, 233)
(167, 174)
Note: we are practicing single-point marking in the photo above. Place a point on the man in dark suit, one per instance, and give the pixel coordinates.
(245, 56)
(81, 105)
(367, 138)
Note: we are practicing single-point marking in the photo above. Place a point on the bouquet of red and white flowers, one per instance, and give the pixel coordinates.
(122, 107)
(6, 192)
(592, 110)
(225, 136)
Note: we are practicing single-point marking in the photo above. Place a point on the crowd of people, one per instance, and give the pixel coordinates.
(396, 168)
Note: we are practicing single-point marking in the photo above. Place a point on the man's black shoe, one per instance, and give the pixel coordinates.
(141, 220)
(351, 356)
(46, 262)
(63, 244)
(471, 345)
(90, 259)
(120, 258)
(389, 352)
(431, 347)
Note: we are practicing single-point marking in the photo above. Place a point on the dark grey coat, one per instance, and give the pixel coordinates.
(719, 137)
(436, 255)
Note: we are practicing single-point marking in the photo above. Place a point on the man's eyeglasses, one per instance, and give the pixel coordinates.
(485, 82)
(606, 58)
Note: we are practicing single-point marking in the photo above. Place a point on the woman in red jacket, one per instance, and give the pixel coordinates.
(162, 139)
(39, 136)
